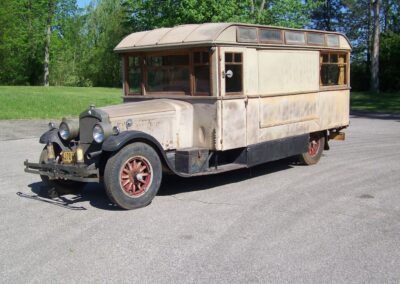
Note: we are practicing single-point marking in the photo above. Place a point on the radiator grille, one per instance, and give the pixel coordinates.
(85, 129)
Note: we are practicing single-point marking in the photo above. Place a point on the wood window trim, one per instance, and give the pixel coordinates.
(346, 64)
(209, 64)
(314, 44)
(281, 41)
(126, 74)
(331, 35)
(247, 41)
(241, 69)
(302, 43)
(144, 72)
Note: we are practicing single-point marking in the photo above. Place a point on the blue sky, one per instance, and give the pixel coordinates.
(82, 3)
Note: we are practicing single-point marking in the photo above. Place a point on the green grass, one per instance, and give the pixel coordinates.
(17, 102)
(56, 102)
(372, 102)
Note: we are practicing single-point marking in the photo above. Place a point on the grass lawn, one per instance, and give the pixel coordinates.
(17, 102)
(56, 102)
(371, 102)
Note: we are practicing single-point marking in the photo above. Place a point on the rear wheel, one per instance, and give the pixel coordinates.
(315, 149)
(132, 177)
(59, 187)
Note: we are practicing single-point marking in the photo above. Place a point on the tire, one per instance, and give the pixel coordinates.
(132, 176)
(59, 187)
(315, 149)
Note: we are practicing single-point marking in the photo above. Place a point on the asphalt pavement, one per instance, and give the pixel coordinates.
(335, 222)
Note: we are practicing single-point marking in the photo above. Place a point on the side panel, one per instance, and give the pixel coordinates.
(253, 124)
(233, 124)
(250, 71)
(333, 108)
(205, 126)
(284, 116)
(288, 71)
(276, 149)
(283, 110)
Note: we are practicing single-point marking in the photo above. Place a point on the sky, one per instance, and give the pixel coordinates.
(82, 3)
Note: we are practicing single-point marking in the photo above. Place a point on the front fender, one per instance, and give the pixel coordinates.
(115, 143)
(51, 136)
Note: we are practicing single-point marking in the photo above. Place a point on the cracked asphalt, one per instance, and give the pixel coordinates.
(336, 222)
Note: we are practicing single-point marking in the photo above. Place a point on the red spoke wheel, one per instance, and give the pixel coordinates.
(314, 145)
(136, 176)
(133, 175)
(315, 149)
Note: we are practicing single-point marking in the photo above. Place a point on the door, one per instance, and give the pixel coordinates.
(232, 92)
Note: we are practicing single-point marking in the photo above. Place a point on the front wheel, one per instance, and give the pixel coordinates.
(315, 149)
(133, 176)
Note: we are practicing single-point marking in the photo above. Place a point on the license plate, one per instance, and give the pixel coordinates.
(68, 157)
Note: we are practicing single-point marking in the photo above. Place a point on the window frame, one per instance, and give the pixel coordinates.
(193, 65)
(234, 63)
(315, 44)
(291, 42)
(249, 41)
(144, 68)
(280, 41)
(346, 69)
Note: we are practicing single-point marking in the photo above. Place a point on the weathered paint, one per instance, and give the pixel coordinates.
(281, 98)
(166, 120)
(192, 35)
(286, 71)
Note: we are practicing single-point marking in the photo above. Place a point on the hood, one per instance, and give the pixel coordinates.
(145, 108)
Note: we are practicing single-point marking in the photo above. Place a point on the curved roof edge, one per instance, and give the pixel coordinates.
(205, 34)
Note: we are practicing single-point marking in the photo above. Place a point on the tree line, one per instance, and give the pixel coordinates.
(54, 42)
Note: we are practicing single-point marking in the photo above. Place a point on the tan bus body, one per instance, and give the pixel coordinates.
(209, 98)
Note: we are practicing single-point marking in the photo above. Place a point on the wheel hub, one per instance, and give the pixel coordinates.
(136, 176)
(313, 145)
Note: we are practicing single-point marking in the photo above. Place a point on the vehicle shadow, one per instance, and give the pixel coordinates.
(94, 193)
(173, 184)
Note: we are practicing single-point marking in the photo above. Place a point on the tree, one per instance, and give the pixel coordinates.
(105, 24)
(148, 14)
(50, 14)
(328, 15)
(374, 86)
(21, 41)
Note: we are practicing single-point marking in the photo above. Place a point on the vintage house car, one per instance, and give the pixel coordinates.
(202, 99)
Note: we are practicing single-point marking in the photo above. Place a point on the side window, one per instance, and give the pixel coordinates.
(333, 68)
(201, 66)
(134, 75)
(168, 73)
(233, 72)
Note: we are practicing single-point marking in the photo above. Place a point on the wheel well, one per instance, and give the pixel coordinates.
(159, 152)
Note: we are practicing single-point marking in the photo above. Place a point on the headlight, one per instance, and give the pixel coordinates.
(101, 131)
(64, 131)
(98, 133)
(69, 129)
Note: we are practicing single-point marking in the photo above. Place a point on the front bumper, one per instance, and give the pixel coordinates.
(75, 172)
